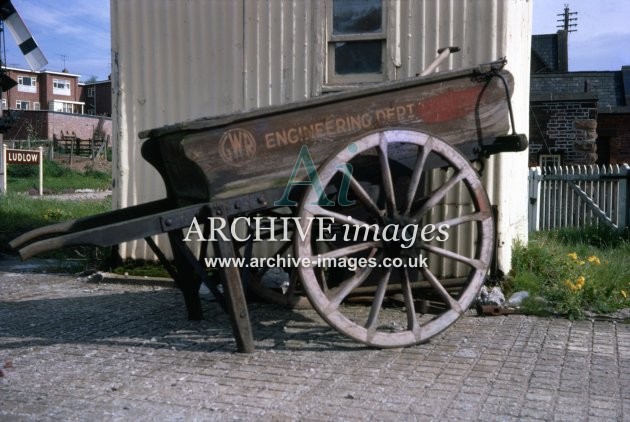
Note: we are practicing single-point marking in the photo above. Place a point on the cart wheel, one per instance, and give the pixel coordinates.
(386, 191)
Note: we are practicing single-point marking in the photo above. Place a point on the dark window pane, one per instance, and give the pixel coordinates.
(357, 16)
(358, 57)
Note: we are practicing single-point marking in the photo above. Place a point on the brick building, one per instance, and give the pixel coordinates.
(45, 90)
(50, 103)
(97, 97)
(576, 117)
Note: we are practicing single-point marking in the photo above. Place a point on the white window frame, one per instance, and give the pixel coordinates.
(91, 91)
(70, 107)
(36, 106)
(4, 103)
(331, 39)
(61, 87)
(19, 103)
(31, 87)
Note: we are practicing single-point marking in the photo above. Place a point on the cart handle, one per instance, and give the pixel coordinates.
(443, 52)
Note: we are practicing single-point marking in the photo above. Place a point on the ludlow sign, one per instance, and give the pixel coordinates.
(20, 156)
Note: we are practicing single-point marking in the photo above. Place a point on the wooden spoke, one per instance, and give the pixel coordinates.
(417, 174)
(347, 250)
(316, 210)
(320, 275)
(364, 197)
(456, 221)
(388, 183)
(337, 295)
(439, 194)
(377, 303)
(437, 286)
(475, 263)
(410, 308)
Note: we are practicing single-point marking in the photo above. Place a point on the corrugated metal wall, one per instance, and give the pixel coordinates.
(180, 60)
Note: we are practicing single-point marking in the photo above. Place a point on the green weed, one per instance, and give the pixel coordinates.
(20, 213)
(569, 273)
(57, 178)
(141, 268)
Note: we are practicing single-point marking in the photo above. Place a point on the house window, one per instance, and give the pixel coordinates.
(4, 103)
(90, 92)
(23, 105)
(61, 87)
(27, 84)
(36, 106)
(356, 41)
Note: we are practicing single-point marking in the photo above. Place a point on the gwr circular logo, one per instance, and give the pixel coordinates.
(237, 146)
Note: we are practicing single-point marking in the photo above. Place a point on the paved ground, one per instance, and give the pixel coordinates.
(71, 350)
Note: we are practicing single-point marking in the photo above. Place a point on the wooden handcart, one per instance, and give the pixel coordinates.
(349, 175)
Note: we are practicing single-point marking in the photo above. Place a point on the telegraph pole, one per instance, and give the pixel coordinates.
(566, 20)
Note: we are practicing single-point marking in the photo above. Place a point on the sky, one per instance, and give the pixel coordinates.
(75, 30)
(76, 33)
(602, 40)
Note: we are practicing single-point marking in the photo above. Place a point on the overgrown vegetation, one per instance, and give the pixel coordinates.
(570, 272)
(57, 178)
(20, 213)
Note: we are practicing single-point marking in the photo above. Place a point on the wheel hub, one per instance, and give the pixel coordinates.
(393, 228)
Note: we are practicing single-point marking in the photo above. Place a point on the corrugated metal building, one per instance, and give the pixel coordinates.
(180, 60)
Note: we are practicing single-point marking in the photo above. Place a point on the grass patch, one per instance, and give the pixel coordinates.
(57, 178)
(602, 236)
(569, 272)
(20, 213)
(141, 268)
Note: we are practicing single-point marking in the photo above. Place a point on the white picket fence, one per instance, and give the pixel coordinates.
(575, 196)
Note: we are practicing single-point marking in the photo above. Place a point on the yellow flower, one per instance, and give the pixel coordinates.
(624, 294)
(580, 281)
(594, 260)
(573, 287)
(573, 256)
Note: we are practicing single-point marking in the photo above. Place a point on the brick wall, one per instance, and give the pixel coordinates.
(553, 129)
(614, 129)
(46, 124)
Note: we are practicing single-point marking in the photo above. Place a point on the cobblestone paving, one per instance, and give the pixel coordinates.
(71, 350)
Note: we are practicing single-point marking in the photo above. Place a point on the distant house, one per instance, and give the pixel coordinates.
(57, 91)
(53, 104)
(97, 97)
(44, 90)
(576, 117)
